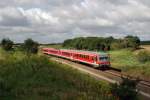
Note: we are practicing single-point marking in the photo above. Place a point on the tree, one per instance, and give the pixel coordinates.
(101, 43)
(67, 42)
(30, 46)
(7, 44)
(126, 90)
(132, 41)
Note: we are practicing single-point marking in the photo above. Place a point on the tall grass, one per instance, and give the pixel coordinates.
(37, 78)
(127, 60)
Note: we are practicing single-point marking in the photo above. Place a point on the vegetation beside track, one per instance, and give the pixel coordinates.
(128, 61)
(34, 77)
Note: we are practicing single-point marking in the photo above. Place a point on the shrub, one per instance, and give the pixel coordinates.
(7, 44)
(143, 56)
(30, 46)
(126, 90)
(36, 78)
(131, 41)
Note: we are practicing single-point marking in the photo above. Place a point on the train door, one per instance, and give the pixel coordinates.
(95, 59)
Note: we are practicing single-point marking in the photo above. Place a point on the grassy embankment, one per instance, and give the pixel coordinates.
(37, 78)
(126, 60)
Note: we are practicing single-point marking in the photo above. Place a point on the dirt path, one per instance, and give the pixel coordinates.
(146, 47)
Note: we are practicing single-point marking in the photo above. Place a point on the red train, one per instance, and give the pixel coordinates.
(101, 60)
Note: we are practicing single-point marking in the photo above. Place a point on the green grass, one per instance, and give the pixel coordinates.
(34, 77)
(127, 61)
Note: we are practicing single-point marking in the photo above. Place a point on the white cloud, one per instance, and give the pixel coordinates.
(103, 22)
(56, 20)
(37, 16)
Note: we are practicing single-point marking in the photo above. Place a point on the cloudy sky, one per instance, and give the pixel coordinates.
(50, 21)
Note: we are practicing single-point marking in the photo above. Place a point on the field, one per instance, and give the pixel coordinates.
(127, 61)
(34, 77)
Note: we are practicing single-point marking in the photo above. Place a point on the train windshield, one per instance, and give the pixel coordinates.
(103, 58)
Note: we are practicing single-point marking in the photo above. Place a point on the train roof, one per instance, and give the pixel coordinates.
(87, 52)
(92, 53)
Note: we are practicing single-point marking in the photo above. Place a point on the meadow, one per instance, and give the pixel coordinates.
(127, 61)
(35, 77)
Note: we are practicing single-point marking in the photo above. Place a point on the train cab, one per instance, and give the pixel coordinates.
(104, 60)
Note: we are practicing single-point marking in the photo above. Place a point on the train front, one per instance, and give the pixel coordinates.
(104, 60)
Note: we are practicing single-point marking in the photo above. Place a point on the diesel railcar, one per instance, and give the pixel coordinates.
(100, 60)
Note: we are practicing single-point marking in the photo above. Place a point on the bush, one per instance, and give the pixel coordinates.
(37, 78)
(126, 90)
(131, 42)
(14, 73)
(30, 46)
(7, 44)
(143, 56)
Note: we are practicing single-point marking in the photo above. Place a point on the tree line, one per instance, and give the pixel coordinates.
(145, 42)
(29, 46)
(101, 43)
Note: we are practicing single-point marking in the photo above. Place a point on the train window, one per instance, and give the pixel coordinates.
(86, 57)
(92, 58)
(76, 55)
(80, 55)
(104, 58)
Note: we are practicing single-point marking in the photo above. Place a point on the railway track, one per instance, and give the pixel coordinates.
(142, 82)
(143, 85)
(117, 72)
(107, 75)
